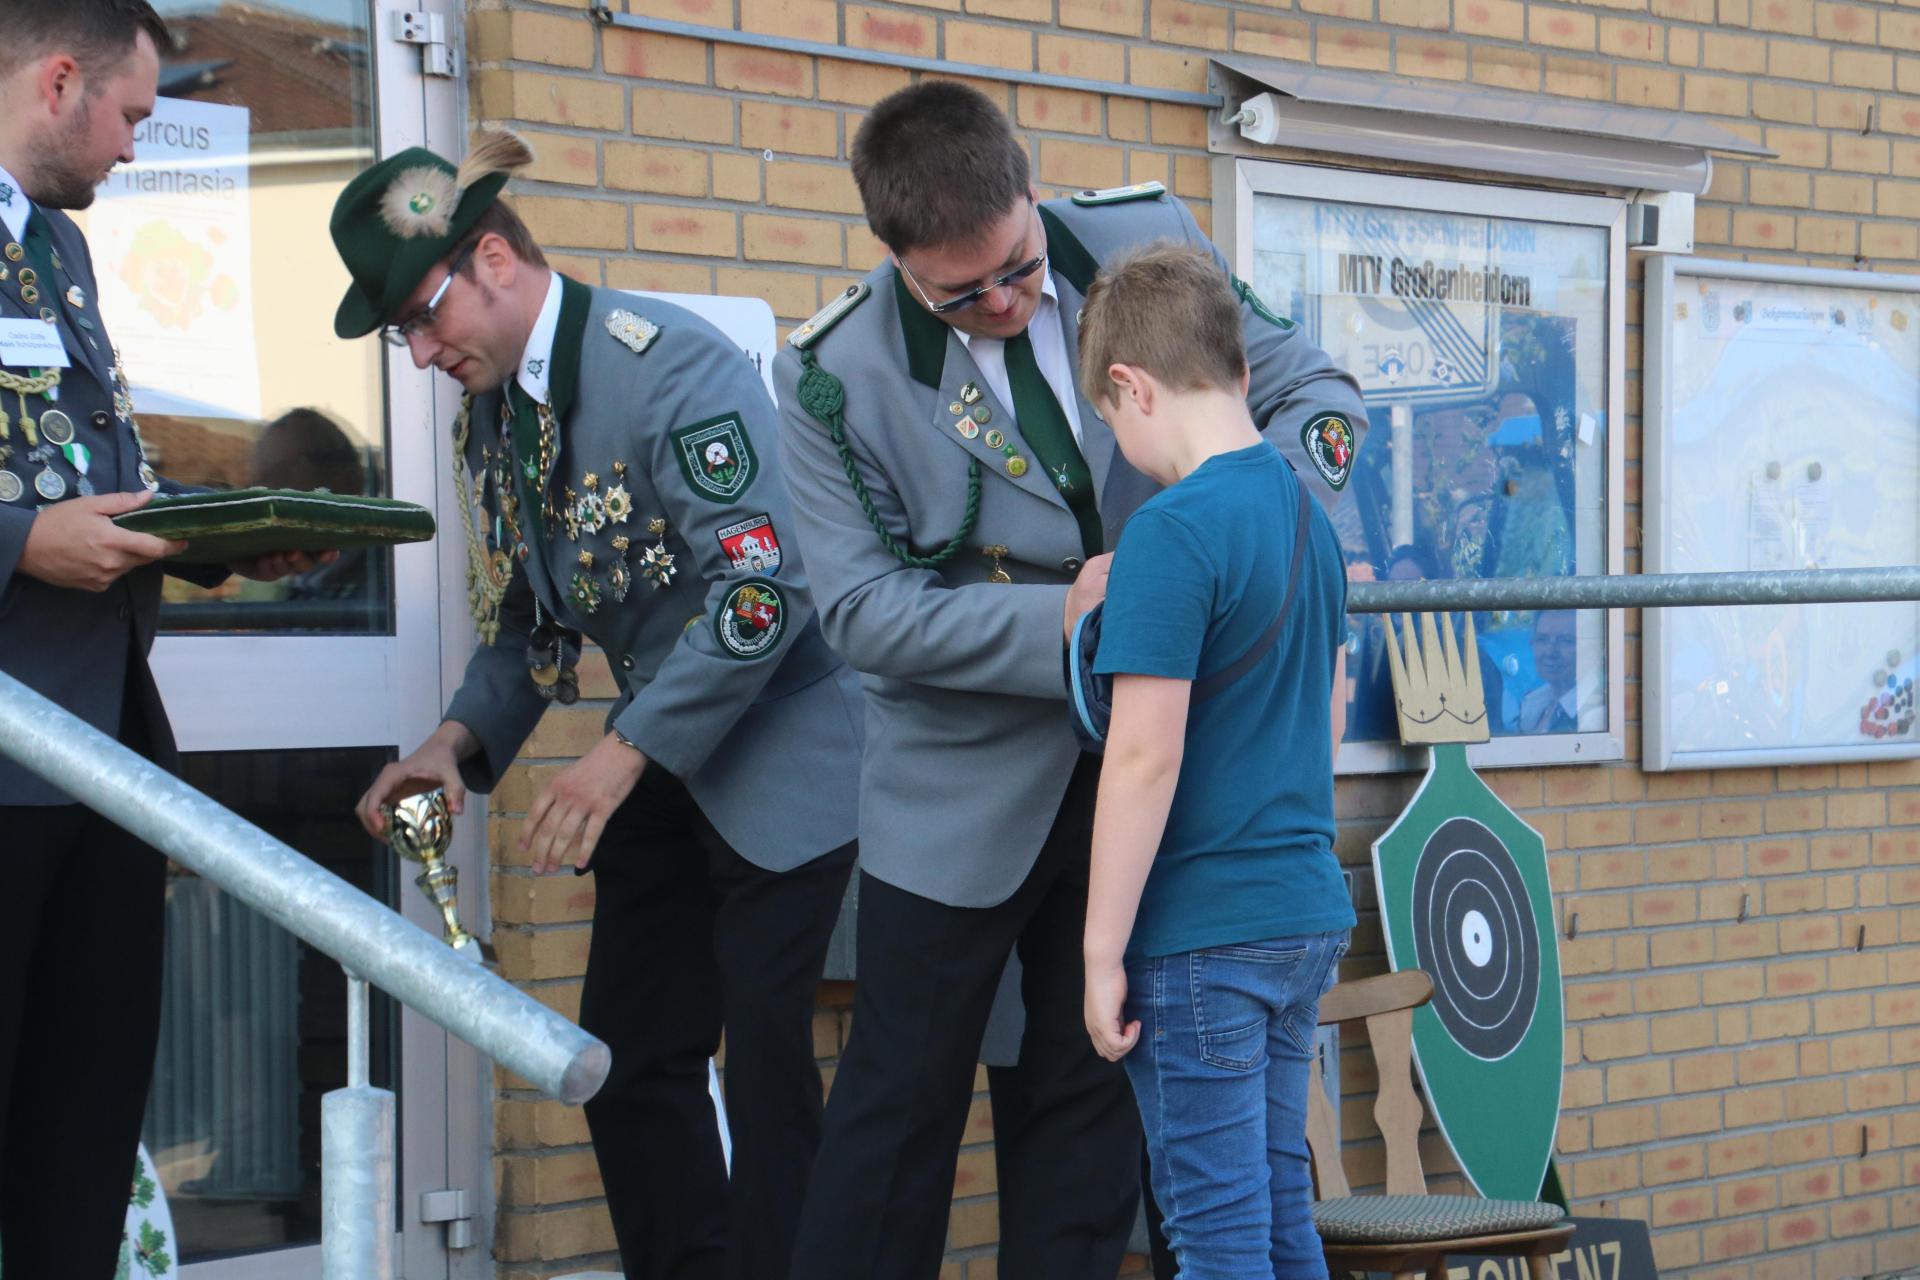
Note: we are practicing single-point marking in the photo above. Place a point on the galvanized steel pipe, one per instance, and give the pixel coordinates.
(363, 934)
(357, 1184)
(1638, 591)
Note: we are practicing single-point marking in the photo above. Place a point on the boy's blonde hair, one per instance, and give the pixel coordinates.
(1166, 308)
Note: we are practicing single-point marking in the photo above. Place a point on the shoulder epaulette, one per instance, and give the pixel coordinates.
(634, 332)
(1119, 195)
(828, 316)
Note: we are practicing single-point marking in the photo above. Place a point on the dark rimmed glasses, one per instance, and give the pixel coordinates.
(966, 300)
(397, 335)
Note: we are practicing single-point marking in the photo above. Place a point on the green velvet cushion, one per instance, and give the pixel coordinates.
(240, 524)
(1410, 1219)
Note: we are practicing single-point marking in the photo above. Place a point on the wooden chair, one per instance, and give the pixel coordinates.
(1406, 1231)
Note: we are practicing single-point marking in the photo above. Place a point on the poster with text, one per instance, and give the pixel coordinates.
(173, 253)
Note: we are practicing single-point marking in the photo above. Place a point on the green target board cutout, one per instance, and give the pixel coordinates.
(1464, 895)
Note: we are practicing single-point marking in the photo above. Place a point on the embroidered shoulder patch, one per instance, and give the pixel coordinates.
(1328, 442)
(716, 456)
(751, 620)
(633, 332)
(1119, 195)
(828, 316)
(752, 545)
(1261, 309)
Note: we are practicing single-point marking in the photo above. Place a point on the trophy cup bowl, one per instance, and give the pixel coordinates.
(420, 828)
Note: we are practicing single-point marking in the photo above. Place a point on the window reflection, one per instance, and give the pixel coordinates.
(1480, 345)
(218, 284)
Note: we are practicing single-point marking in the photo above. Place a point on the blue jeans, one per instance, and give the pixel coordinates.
(1220, 1075)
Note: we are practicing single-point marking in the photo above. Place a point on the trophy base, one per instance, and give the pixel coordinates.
(481, 953)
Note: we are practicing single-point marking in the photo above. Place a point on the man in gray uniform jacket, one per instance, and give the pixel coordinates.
(628, 490)
(956, 496)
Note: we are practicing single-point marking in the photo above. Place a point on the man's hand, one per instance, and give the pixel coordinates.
(1088, 590)
(76, 543)
(1105, 1000)
(435, 764)
(566, 821)
(272, 568)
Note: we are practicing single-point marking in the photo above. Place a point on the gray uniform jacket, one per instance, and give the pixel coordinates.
(968, 746)
(85, 650)
(724, 678)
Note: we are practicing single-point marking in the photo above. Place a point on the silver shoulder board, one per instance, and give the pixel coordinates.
(1118, 195)
(632, 331)
(828, 316)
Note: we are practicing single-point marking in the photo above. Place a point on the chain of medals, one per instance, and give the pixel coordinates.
(548, 663)
(38, 385)
(488, 573)
(53, 425)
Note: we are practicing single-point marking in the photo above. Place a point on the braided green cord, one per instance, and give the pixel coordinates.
(823, 396)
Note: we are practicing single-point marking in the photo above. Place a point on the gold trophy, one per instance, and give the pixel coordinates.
(420, 828)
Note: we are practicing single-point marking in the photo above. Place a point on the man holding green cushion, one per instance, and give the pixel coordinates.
(619, 461)
(81, 901)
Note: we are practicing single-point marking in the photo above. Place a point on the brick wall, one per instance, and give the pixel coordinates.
(1743, 993)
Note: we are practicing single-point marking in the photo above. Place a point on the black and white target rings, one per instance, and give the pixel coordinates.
(1474, 934)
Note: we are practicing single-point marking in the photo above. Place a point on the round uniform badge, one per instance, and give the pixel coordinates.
(10, 487)
(49, 485)
(751, 620)
(56, 427)
(1328, 442)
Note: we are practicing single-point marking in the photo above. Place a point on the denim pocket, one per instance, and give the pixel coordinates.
(1235, 990)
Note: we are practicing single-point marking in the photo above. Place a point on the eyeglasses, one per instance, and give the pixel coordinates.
(396, 335)
(966, 300)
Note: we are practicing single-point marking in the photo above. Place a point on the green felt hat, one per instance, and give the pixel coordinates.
(397, 219)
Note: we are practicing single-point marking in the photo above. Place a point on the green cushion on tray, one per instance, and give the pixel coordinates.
(1411, 1219)
(239, 524)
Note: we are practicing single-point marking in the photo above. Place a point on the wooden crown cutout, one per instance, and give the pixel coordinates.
(1436, 686)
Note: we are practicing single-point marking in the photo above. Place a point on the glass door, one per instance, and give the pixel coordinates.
(219, 283)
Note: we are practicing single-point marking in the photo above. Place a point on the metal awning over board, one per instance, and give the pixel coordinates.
(1276, 103)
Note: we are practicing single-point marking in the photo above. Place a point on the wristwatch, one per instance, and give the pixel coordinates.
(625, 741)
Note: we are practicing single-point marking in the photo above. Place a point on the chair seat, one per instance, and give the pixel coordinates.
(1407, 1219)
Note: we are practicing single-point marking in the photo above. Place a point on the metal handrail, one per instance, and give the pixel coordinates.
(1639, 590)
(368, 938)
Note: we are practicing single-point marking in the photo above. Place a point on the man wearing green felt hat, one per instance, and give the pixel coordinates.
(622, 482)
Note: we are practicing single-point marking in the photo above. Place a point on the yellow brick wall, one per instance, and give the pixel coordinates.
(1751, 1087)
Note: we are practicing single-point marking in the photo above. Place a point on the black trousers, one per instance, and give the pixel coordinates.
(81, 910)
(1066, 1134)
(688, 936)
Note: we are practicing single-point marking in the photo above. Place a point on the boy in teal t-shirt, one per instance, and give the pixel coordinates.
(1217, 912)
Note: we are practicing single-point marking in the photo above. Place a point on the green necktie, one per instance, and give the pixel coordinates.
(1048, 433)
(526, 461)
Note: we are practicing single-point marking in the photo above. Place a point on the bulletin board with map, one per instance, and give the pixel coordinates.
(1782, 421)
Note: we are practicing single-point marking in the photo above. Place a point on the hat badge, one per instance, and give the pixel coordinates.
(420, 202)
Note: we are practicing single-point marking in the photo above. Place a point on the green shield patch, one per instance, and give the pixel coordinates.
(716, 457)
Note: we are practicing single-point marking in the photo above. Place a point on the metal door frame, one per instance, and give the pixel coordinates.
(354, 691)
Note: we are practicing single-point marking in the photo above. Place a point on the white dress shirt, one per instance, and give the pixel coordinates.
(536, 362)
(16, 208)
(1049, 352)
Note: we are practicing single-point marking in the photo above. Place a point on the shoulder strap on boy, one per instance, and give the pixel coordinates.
(1217, 683)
